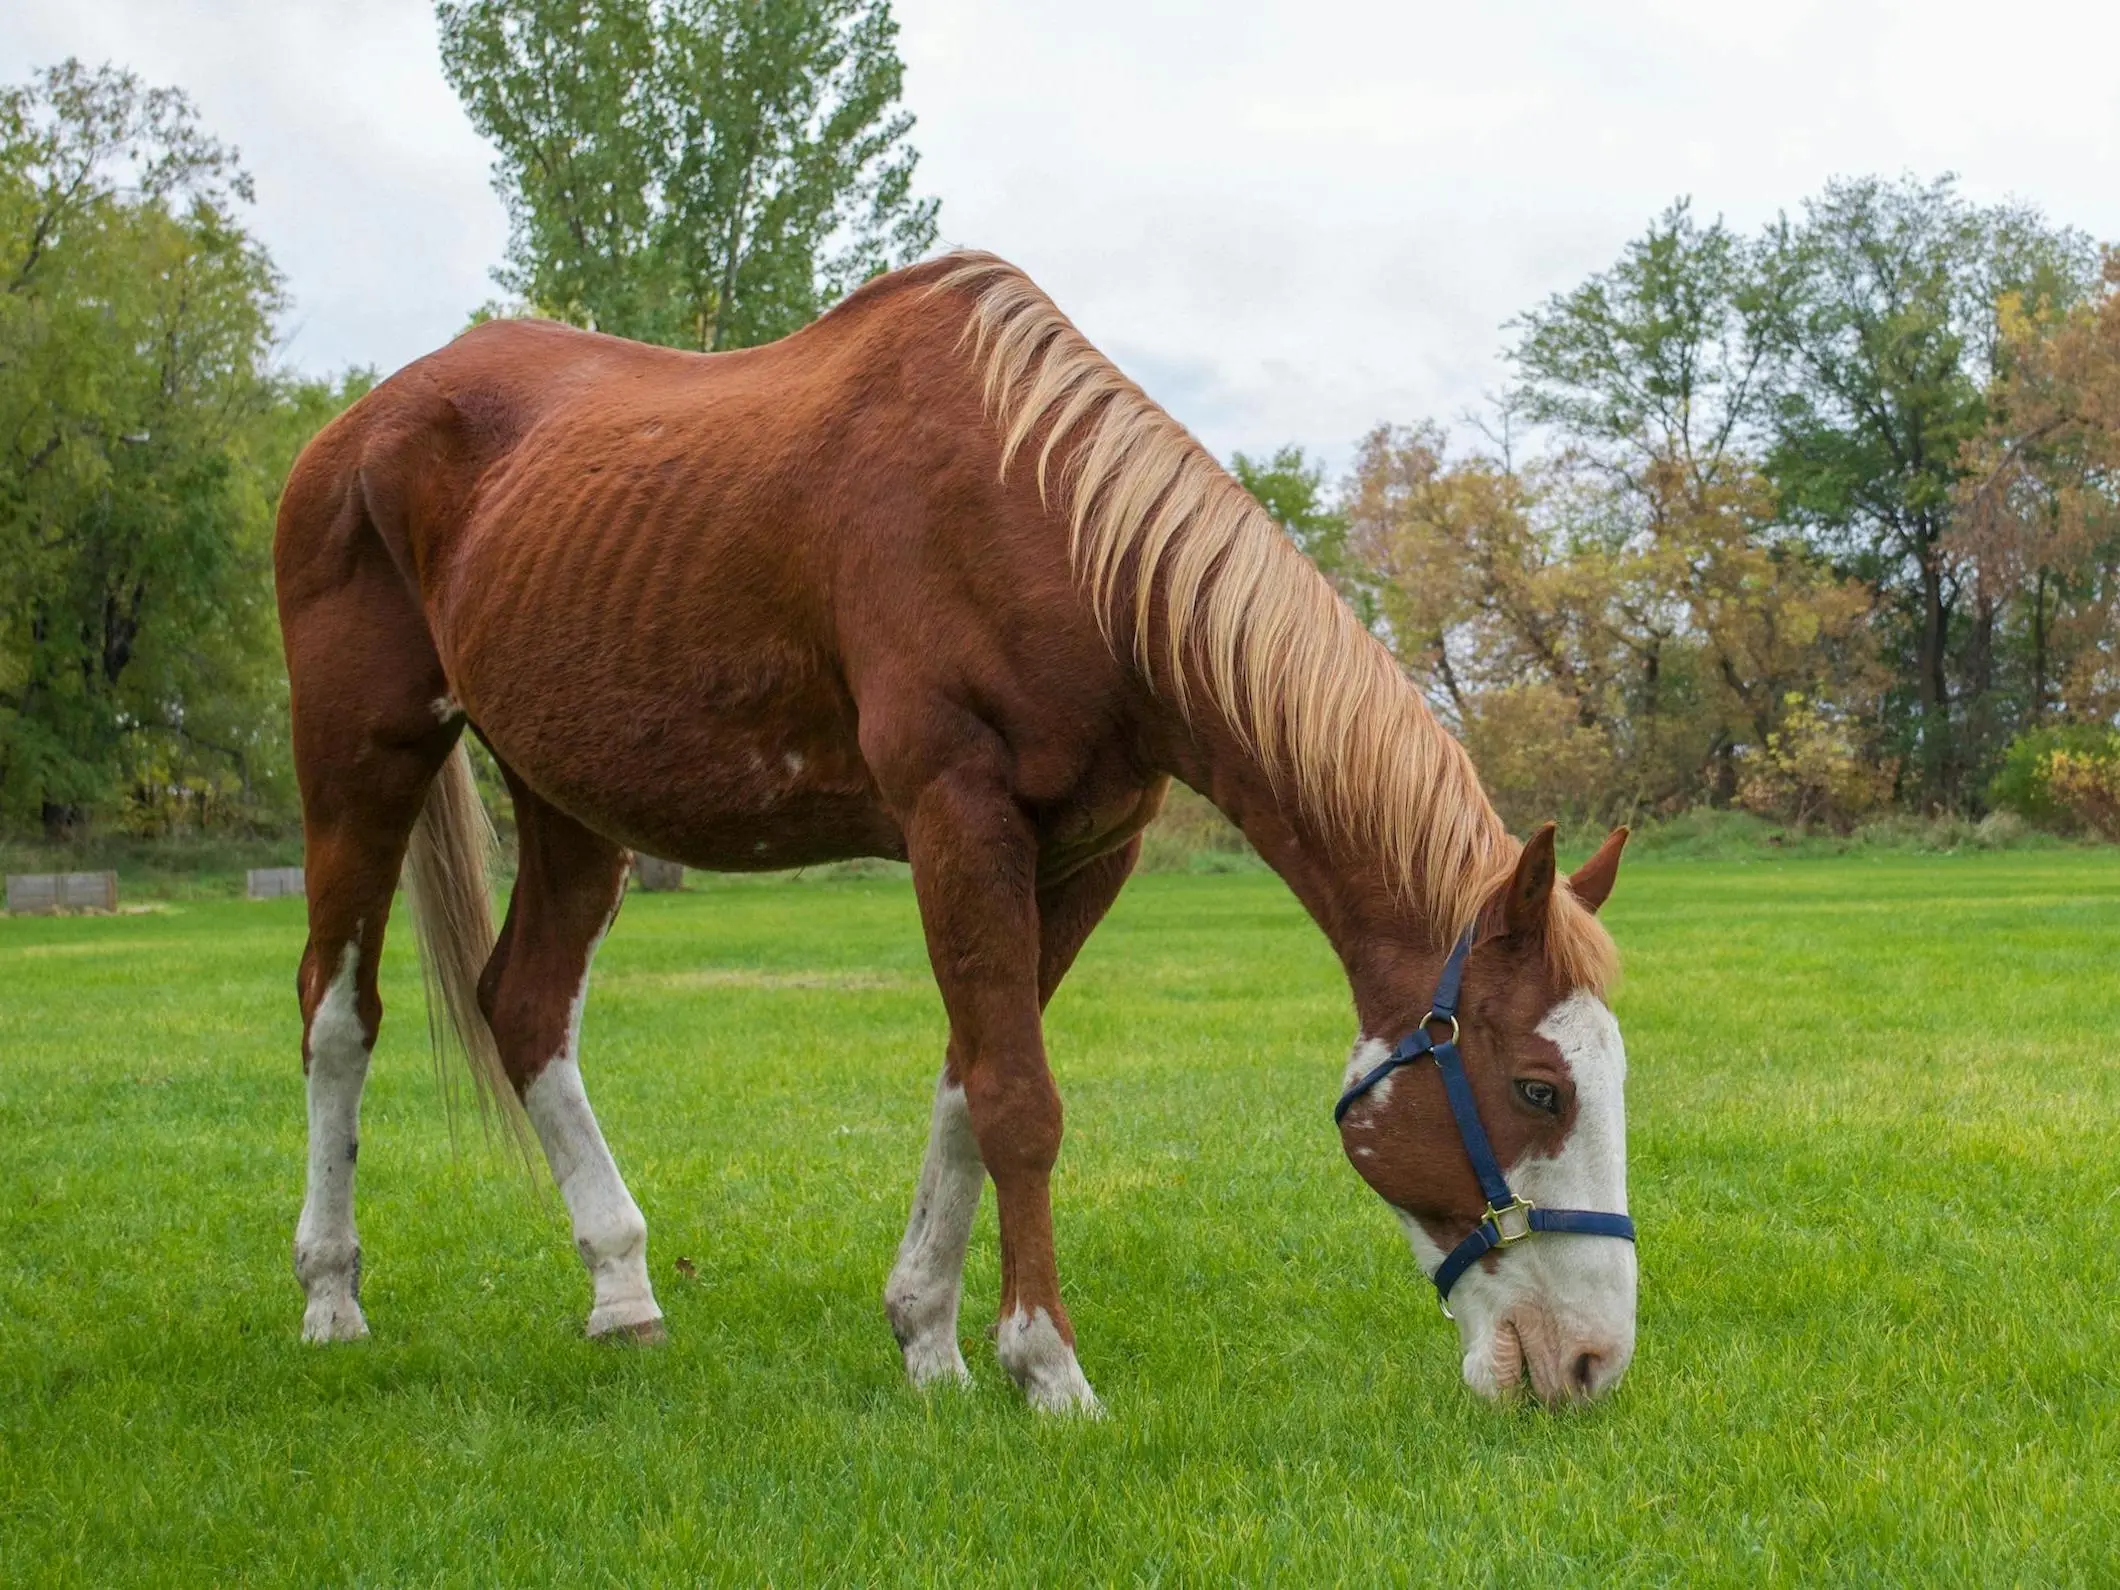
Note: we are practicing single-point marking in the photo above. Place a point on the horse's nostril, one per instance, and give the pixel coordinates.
(1585, 1370)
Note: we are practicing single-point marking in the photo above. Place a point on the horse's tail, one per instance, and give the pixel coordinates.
(445, 876)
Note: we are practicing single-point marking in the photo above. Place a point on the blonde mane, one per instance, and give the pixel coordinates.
(1169, 546)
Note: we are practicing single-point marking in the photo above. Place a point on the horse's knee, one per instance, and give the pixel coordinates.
(1016, 1116)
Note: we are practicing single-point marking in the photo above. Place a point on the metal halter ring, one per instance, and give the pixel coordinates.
(1432, 1018)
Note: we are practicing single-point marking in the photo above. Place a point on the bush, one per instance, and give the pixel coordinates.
(2088, 784)
(1811, 771)
(2025, 784)
(1189, 835)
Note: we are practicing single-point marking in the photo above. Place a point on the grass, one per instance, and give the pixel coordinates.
(1873, 1161)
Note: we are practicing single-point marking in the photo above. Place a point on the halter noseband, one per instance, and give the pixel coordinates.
(1507, 1217)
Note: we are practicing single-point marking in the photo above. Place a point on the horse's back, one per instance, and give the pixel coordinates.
(665, 583)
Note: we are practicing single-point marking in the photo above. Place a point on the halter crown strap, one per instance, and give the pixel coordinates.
(1417, 1042)
(1507, 1217)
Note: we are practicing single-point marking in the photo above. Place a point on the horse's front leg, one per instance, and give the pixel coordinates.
(974, 862)
(926, 1282)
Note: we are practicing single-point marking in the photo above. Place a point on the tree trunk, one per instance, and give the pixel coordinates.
(64, 822)
(2038, 713)
(1936, 761)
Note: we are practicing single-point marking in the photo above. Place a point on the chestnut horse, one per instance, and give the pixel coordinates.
(930, 580)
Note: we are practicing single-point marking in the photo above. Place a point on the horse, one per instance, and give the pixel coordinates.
(927, 580)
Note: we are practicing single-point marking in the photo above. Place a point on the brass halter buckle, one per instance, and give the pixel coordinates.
(1512, 1222)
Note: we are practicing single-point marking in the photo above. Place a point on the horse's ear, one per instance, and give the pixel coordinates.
(1592, 882)
(1530, 890)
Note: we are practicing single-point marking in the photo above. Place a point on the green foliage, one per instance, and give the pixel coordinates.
(143, 436)
(1883, 311)
(1837, 1174)
(1656, 361)
(703, 173)
(2023, 783)
(1745, 555)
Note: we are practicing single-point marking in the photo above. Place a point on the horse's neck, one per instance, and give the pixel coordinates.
(1382, 940)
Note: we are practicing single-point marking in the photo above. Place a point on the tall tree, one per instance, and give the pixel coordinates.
(703, 173)
(1654, 365)
(136, 318)
(2041, 520)
(1654, 374)
(1881, 307)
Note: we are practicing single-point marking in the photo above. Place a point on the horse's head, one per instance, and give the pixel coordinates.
(1554, 1300)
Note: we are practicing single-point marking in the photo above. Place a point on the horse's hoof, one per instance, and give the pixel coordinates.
(1041, 1362)
(334, 1320)
(930, 1363)
(641, 1333)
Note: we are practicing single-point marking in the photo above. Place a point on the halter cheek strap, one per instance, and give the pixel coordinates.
(1507, 1218)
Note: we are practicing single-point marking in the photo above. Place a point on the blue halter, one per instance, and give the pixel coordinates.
(1507, 1218)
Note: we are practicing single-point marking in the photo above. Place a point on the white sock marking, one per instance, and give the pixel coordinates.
(327, 1251)
(922, 1294)
(1030, 1349)
(609, 1231)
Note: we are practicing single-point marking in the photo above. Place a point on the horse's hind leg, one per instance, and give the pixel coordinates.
(367, 744)
(566, 892)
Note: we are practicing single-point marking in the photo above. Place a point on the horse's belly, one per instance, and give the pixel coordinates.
(729, 760)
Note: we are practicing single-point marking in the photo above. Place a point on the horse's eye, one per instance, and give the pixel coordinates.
(1539, 1095)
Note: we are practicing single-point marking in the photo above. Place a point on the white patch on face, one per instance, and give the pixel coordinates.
(1558, 1306)
(1367, 1055)
(446, 710)
(922, 1294)
(1030, 1349)
(609, 1231)
(327, 1252)
(794, 763)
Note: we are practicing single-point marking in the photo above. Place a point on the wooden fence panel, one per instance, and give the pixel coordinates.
(42, 893)
(276, 883)
(657, 876)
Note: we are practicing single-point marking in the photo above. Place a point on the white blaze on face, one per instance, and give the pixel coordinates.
(1555, 1306)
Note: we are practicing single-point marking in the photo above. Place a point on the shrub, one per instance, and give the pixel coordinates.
(2025, 782)
(1811, 771)
(2088, 784)
(1189, 835)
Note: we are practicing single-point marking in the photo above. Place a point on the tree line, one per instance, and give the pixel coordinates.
(1818, 521)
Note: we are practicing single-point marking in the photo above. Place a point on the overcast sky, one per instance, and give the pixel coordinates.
(1289, 221)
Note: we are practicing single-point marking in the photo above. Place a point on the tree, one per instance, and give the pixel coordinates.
(1655, 365)
(2040, 505)
(137, 638)
(702, 173)
(1653, 375)
(1881, 311)
(1501, 616)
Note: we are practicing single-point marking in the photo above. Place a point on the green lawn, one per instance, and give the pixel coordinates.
(1874, 1163)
